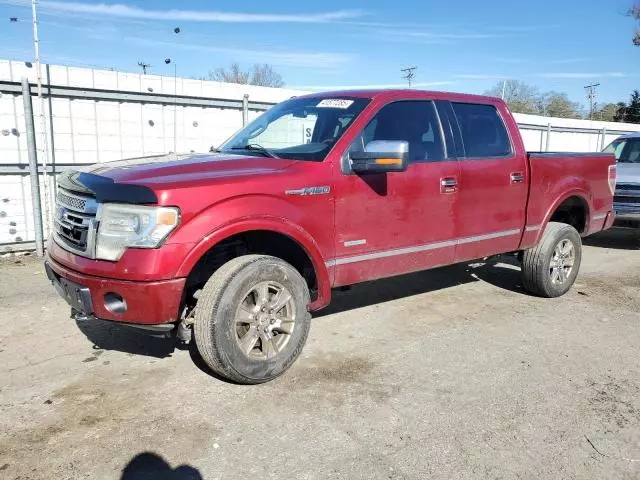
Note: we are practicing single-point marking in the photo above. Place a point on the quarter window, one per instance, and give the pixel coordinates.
(483, 131)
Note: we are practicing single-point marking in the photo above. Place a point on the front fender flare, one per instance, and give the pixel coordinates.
(269, 223)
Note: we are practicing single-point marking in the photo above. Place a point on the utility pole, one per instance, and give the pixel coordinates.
(175, 100)
(144, 66)
(43, 120)
(591, 95)
(409, 73)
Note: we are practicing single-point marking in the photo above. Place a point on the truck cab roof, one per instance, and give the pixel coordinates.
(403, 93)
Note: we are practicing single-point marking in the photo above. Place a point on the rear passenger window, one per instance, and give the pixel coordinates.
(483, 132)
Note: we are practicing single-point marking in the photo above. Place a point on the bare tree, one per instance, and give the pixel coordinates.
(260, 74)
(634, 12)
(554, 104)
(523, 98)
(520, 97)
(266, 76)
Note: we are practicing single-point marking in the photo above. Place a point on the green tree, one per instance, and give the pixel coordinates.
(621, 112)
(260, 74)
(631, 112)
(608, 112)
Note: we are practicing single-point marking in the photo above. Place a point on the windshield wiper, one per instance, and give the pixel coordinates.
(254, 147)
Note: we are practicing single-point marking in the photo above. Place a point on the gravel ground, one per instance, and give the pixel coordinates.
(452, 374)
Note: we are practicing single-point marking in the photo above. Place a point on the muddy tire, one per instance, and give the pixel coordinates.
(252, 319)
(550, 268)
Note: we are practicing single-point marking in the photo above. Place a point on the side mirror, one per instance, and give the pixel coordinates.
(381, 156)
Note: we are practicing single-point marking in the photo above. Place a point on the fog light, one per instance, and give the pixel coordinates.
(115, 303)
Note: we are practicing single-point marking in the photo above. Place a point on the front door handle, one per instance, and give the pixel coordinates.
(448, 185)
(517, 177)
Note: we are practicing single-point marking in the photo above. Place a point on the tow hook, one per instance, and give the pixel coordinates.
(80, 317)
(183, 333)
(185, 327)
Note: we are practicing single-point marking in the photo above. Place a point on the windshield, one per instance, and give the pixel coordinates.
(626, 150)
(300, 128)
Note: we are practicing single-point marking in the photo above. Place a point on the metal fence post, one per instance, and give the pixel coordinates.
(245, 109)
(546, 147)
(33, 165)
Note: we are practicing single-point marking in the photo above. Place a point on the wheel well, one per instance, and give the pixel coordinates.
(261, 242)
(572, 211)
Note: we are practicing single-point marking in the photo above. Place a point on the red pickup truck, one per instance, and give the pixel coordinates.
(237, 246)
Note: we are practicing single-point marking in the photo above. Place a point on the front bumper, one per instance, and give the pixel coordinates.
(147, 303)
(631, 220)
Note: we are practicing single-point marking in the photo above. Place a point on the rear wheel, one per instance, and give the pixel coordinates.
(550, 268)
(252, 319)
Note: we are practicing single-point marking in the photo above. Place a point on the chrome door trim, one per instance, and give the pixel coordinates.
(420, 248)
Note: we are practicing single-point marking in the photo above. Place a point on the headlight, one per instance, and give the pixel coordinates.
(123, 226)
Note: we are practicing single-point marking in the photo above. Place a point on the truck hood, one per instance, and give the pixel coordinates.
(167, 169)
(628, 173)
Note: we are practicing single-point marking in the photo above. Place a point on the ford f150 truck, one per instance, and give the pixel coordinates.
(236, 247)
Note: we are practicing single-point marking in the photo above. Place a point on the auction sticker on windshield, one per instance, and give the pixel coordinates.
(335, 103)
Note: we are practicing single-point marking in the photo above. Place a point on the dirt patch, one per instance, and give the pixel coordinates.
(341, 380)
(617, 402)
(616, 291)
(337, 370)
(104, 415)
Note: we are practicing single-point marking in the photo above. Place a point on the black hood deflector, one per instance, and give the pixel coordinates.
(105, 189)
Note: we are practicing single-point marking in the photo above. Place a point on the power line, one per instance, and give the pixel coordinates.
(409, 74)
(591, 95)
(144, 66)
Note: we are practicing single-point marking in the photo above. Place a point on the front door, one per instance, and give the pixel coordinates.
(392, 223)
(493, 187)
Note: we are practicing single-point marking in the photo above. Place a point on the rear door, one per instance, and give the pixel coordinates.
(493, 186)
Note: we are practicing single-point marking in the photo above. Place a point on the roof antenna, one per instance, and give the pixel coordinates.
(409, 73)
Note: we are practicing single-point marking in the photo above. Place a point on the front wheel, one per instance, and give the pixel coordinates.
(252, 319)
(550, 268)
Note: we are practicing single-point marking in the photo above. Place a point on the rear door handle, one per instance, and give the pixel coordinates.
(517, 177)
(448, 185)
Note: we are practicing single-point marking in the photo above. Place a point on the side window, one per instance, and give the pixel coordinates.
(483, 132)
(630, 153)
(415, 122)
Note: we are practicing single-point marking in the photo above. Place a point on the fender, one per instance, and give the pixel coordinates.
(274, 224)
(575, 192)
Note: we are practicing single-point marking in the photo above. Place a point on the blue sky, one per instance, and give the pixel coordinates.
(458, 45)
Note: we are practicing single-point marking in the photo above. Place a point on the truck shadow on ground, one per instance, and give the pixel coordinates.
(112, 336)
(149, 465)
(617, 238)
(502, 272)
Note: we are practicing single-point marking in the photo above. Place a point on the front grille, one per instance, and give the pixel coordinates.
(628, 186)
(75, 222)
(72, 202)
(626, 199)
